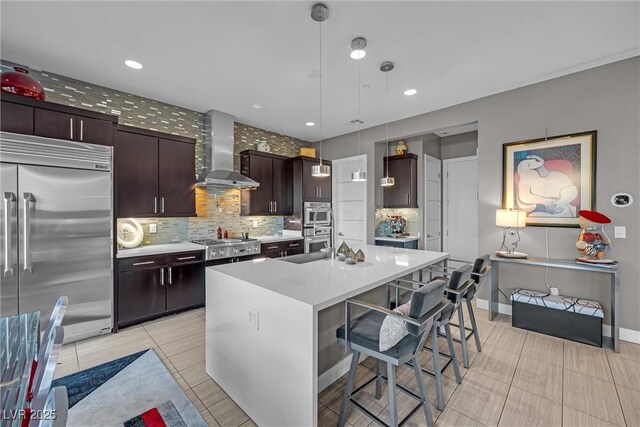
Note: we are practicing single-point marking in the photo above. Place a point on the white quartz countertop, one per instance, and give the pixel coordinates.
(159, 249)
(404, 239)
(326, 282)
(273, 239)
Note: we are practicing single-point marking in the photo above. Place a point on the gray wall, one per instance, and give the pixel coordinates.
(603, 98)
(461, 145)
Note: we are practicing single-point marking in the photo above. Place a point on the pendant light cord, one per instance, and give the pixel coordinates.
(320, 85)
(387, 113)
(359, 121)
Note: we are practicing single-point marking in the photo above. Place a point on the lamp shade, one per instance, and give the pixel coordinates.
(320, 170)
(511, 218)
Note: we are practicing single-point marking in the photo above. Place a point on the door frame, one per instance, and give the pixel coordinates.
(445, 190)
(335, 192)
(426, 157)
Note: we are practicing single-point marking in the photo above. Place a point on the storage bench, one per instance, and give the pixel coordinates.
(575, 319)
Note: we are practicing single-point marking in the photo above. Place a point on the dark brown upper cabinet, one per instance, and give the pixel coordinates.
(154, 174)
(404, 193)
(307, 187)
(274, 196)
(32, 117)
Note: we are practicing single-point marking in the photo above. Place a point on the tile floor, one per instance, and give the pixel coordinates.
(519, 379)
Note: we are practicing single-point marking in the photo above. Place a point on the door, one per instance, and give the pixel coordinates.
(94, 131)
(141, 294)
(433, 209)
(136, 172)
(176, 180)
(66, 246)
(54, 124)
(185, 286)
(398, 194)
(260, 199)
(9, 246)
(460, 213)
(282, 187)
(16, 118)
(350, 201)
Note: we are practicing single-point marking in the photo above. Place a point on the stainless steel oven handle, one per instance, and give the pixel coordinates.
(8, 198)
(27, 198)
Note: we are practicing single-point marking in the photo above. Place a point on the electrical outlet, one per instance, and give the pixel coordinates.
(153, 228)
(620, 232)
(254, 316)
(255, 223)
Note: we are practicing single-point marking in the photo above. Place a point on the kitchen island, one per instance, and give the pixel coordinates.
(266, 317)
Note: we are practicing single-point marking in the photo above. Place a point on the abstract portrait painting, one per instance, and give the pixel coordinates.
(550, 178)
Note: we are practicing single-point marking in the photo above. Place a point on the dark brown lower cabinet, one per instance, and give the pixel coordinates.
(282, 249)
(152, 286)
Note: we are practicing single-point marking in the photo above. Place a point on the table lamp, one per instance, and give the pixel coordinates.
(511, 220)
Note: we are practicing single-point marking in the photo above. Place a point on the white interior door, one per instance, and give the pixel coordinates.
(433, 203)
(350, 201)
(460, 211)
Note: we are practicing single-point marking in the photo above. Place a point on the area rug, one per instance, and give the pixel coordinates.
(135, 390)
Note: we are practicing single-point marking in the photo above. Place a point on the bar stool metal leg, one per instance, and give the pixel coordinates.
(348, 388)
(454, 359)
(378, 379)
(436, 367)
(426, 406)
(463, 338)
(474, 325)
(391, 388)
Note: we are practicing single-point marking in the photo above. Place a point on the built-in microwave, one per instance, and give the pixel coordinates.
(317, 213)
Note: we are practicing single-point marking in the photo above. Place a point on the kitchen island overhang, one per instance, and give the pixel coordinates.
(262, 326)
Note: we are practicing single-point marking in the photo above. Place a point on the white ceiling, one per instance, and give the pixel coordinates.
(229, 55)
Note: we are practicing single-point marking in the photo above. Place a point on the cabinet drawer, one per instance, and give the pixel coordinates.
(294, 244)
(272, 247)
(16, 118)
(141, 262)
(185, 257)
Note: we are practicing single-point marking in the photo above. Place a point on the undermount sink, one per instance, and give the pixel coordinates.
(305, 258)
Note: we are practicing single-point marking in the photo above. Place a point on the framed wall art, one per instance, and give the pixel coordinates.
(550, 178)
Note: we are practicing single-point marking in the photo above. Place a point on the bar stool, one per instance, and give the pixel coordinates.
(362, 336)
(458, 284)
(480, 269)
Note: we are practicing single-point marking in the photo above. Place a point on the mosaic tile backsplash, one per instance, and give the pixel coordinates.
(411, 215)
(215, 206)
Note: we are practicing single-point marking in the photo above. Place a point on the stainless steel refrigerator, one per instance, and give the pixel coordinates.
(57, 228)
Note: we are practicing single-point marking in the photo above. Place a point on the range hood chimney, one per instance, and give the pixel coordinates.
(218, 140)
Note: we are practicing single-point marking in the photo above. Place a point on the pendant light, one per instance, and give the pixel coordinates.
(359, 176)
(319, 13)
(387, 181)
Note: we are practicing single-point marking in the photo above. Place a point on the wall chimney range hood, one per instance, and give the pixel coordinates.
(218, 143)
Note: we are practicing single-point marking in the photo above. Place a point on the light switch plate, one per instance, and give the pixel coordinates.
(254, 317)
(153, 228)
(620, 232)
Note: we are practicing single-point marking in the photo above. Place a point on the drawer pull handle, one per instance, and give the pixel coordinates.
(272, 247)
(186, 257)
(293, 245)
(144, 263)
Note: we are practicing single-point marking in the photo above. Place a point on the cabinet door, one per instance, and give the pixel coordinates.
(176, 181)
(141, 295)
(397, 195)
(54, 124)
(16, 118)
(185, 286)
(136, 174)
(324, 188)
(282, 187)
(94, 131)
(260, 199)
(310, 187)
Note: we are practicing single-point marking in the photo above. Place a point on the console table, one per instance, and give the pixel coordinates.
(614, 272)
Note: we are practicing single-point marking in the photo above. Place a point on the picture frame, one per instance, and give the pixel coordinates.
(550, 178)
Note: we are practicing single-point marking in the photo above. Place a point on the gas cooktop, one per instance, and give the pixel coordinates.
(229, 248)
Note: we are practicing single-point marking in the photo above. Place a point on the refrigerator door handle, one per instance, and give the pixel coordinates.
(27, 198)
(8, 199)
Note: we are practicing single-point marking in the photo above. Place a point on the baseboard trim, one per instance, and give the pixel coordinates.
(625, 334)
(335, 372)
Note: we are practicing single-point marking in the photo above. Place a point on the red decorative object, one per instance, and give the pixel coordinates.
(19, 82)
(594, 216)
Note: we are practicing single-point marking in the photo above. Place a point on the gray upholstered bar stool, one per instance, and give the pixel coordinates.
(362, 336)
(458, 284)
(480, 269)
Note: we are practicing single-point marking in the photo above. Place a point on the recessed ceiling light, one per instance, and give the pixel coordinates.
(256, 106)
(133, 64)
(410, 92)
(310, 124)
